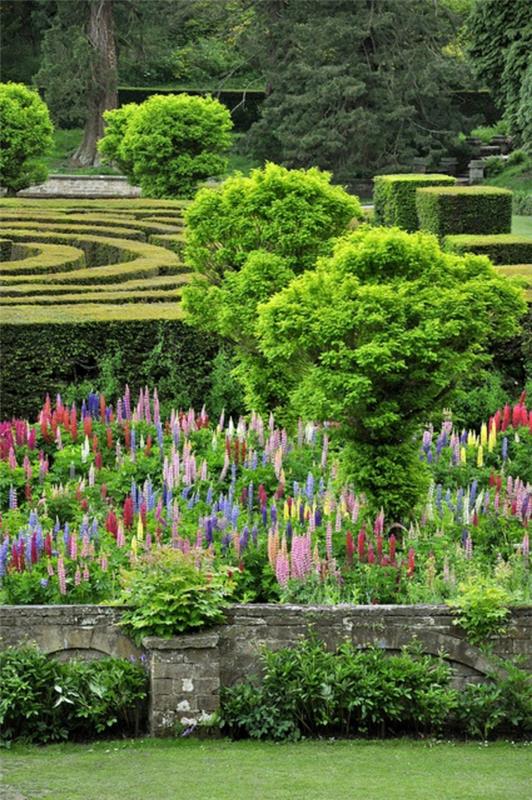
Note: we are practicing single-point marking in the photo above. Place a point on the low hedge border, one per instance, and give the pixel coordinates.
(98, 297)
(92, 221)
(394, 197)
(138, 286)
(504, 248)
(108, 231)
(173, 242)
(448, 210)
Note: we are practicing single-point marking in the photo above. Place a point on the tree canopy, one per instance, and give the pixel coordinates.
(354, 86)
(376, 337)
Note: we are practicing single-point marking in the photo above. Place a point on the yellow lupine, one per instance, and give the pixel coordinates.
(480, 456)
(140, 529)
(483, 434)
(492, 438)
(134, 545)
(463, 455)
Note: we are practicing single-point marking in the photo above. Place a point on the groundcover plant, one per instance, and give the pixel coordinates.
(89, 495)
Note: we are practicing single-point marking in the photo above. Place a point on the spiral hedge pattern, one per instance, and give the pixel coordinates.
(86, 260)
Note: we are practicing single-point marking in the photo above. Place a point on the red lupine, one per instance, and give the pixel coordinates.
(361, 544)
(349, 547)
(48, 544)
(392, 541)
(128, 512)
(506, 416)
(379, 546)
(111, 523)
(411, 562)
(87, 426)
(371, 554)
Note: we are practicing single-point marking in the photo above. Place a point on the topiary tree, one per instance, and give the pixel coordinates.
(248, 239)
(171, 142)
(116, 122)
(376, 338)
(25, 135)
(292, 213)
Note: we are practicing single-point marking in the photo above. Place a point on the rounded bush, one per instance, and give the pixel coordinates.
(25, 135)
(172, 142)
(290, 213)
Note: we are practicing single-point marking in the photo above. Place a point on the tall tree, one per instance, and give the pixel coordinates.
(355, 86)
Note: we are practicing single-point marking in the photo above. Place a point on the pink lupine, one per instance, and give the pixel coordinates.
(61, 577)
(77, 577)
(282, 569)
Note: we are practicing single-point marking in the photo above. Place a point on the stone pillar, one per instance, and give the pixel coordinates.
(184, 681)
(476, 171)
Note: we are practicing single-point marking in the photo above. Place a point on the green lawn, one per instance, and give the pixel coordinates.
(522, 226)
(221, 770)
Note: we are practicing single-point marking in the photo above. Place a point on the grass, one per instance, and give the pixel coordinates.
(313, 770)
(517, 177)
(522, 226)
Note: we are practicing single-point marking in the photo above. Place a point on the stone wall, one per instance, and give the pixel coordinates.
(67, 631)
(186, 672)
(82, 186)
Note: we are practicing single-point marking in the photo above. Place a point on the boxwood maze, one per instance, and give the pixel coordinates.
(84, 279)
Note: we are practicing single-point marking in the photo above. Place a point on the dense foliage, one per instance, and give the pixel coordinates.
(376, 337)
(394, 198)
(171, 592)
(355, 87)
(169, 143)
(248, 239)
(309, 691)
(500, 42)
(90, 503)
(25, 135)
(44, 700)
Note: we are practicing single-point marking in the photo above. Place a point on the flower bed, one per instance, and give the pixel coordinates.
(88, 494)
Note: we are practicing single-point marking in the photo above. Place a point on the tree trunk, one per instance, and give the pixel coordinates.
(102, 94)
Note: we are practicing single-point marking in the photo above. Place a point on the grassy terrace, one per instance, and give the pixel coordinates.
(219, 770)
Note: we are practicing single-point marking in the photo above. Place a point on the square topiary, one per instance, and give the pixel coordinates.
(395, 197)
(445, 210)
(504, 248)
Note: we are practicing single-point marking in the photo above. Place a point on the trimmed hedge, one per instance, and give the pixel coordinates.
(505, 248)
(45, 355)
(464, 209)
(43, 258)
(523, 274)
(138, 286)
(394, 197)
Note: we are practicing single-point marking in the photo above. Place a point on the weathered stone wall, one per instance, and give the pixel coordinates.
(67, 631)
(82, 186)
(186, 672)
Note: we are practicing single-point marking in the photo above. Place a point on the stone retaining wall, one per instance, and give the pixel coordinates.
(186, 672)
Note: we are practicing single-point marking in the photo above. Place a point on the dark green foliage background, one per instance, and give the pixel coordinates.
(48, 358)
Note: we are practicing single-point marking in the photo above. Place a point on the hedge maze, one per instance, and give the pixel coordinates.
(88, 281)
(91, 260)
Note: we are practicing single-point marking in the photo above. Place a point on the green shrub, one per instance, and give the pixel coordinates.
(44, 700)
(25, 135)
(503, 248)
(109, 146)
(290, 213)
(395, 198)
(308, 691)
(464, 209)
(171, 592)
(501, 707)
(171, 142)
(486, 133)
(481, 609)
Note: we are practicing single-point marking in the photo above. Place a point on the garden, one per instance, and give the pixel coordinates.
(265, 446)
